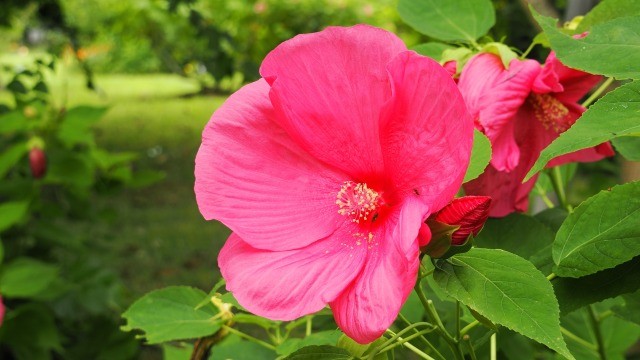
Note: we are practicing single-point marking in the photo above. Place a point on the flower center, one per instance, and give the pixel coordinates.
(358, 201)
(551, 112)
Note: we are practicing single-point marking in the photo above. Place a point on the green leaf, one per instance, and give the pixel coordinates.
(13, 121)
(614, 115)
(449, 20)
(628, 146)
(505, 53)
(608, 10)
(611, 48)
(327, 337)
(11, 213)
(516, 233)
(320, 352)
(26, 277)
(170, 314)
(432, 49)
(1, 252)
(360, 351)
(480, 156)
(30, 332)
(505, 289)
(601, 233)
(179, 351)
(10, 157)
(574, 293)
(630, 310)
(233, 347)
(76, 127)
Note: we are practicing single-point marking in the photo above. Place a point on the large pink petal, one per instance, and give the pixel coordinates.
(494, 95)
(252, 177)
(371, 303)
(506, 190)
(426, 132)
(328, 88)
(284, 285)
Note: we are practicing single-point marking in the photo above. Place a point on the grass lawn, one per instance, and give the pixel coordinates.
(158, 238)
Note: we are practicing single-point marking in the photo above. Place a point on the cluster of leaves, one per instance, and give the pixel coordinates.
(58, 295)
(560, 283)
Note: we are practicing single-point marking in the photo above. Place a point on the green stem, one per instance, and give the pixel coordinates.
(472, 352)
(578, 339)
(411, 347)
(605, 315)
(597, 93)
(556, 181)
(551, 276)
(309, 324)
(249, 337)
(595, 324)
(435, 319)
(544, 196)
(494, 347)
(526, 52)
(401, 342)
(466, 329)
(424, 339)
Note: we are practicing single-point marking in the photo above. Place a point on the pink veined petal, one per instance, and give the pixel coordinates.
(575, 83)
(494, 95)
(252, 177)
(371, 303)
(284, 285)
(328, 88)
(426, 132)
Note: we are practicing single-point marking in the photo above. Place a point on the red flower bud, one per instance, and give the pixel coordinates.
(469, 212)
(38, 162)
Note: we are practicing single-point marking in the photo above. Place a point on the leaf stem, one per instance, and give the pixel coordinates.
(249, 337)
(551, 276)
(432, 314)
(307, 331)
(466, 329)
(472, 352)
(401, 342)
(544, 196)
(595, 324)
(556, 181)
(494, 347)
(598, 92)
(526, 52)
(424, 339)
(577, 339)
(409, 346)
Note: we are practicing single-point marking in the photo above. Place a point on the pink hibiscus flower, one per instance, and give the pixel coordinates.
(1, 311)
(522, 109)
(326, 169)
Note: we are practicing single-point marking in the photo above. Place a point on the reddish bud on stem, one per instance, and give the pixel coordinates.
(469, 212)
(38, 162)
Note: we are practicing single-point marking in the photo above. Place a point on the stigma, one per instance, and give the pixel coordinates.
(552, 113)
(358, 202)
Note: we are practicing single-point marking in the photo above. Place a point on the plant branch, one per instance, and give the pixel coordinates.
(249, 337)
(594, 96)
(578, 339)
(595, 324)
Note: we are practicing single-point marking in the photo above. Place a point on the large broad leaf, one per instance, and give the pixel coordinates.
(480, 156)
(172, 314)
(11, 213)
(516, 233)
(575, 293)
(611, 48)
(449, 20)
(608, 10)
(323, 352)
(601, 233)
(26, 277)
(628, 146)
(327, 337)
(630, 310)
(506, 289)
(616, 114)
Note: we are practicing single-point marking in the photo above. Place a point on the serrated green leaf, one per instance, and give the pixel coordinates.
(480, 156)
(575, 293)
(328, 337)
(320, 352)
(516, 233)
(433, 50)
(507, 290)
(628, 146)
(601, 233)
(11, 213)
(170, 314)
(608, 10)
(26, 277)
(614, 115)
(449, 20)
(10, 157)
(611, 48)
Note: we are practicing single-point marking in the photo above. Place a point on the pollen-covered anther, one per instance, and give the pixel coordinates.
(357, 201)
(551, 112)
